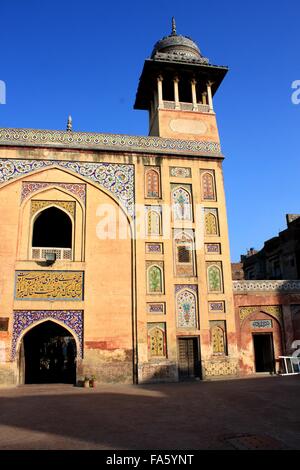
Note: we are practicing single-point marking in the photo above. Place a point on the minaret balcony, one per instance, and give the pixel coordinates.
(198, 108)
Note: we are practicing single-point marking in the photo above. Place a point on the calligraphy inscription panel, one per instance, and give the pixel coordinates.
(49, 285)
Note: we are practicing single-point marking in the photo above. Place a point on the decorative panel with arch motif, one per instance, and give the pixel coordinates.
(208, 187)
(211, 222)
(152, 182)
(157, 340)
(181, 200)
(214, 276)
(218, 337)
(186, 306)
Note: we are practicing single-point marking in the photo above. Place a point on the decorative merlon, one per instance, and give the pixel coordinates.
(112, 142)
(266, 286)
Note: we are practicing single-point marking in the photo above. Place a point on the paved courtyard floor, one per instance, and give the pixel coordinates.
(199, 415)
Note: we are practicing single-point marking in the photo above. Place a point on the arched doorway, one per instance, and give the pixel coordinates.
(49, 354)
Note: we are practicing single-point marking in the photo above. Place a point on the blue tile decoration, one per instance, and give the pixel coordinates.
(118, 179)
(23, 319)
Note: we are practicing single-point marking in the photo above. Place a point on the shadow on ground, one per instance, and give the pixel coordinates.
(203, 415)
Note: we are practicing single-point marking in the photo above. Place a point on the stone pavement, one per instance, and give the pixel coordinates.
(235, 414)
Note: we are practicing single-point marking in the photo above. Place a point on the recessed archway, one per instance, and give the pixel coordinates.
(49, 354)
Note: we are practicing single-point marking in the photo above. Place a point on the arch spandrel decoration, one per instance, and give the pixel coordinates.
(24, 319)
(68, 206)
(116, 178)
(31, 187)
(273, 310)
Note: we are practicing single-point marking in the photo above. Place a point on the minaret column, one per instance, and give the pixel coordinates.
(204, 97)
(194, 94)
(160, 92)
(176, 92)
(209, 94)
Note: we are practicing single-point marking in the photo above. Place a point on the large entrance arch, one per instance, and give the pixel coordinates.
(49, 354)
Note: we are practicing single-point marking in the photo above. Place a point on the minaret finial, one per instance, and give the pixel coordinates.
(174, 33)
(69, 123)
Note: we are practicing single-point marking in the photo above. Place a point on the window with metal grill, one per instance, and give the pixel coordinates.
(184, 254)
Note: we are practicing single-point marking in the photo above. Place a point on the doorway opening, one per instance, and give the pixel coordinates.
(48, 355)
(264, 352)
(188, 358)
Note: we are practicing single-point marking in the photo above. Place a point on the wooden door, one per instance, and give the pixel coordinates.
(187, 357)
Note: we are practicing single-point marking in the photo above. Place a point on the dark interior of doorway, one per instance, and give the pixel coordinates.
(50, 354)
(264, 352)
(188, 359)
(52, 228)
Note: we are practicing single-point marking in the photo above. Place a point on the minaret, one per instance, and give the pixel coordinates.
(177, 87)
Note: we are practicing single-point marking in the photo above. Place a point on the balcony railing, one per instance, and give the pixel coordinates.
(201, 108)
(39, 253)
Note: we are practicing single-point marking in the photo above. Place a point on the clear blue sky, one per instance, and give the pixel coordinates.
(85, 58)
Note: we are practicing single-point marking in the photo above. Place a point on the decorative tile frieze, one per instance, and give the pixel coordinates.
(215, 368)
(31, 187)
(68, 206)
(180, 172)
(156, 308)
(118, 179)
(212, 248)
(154, 248)
(266, 286)
(114, 142)
(23, 319)
(49, 285)
(216, 307)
